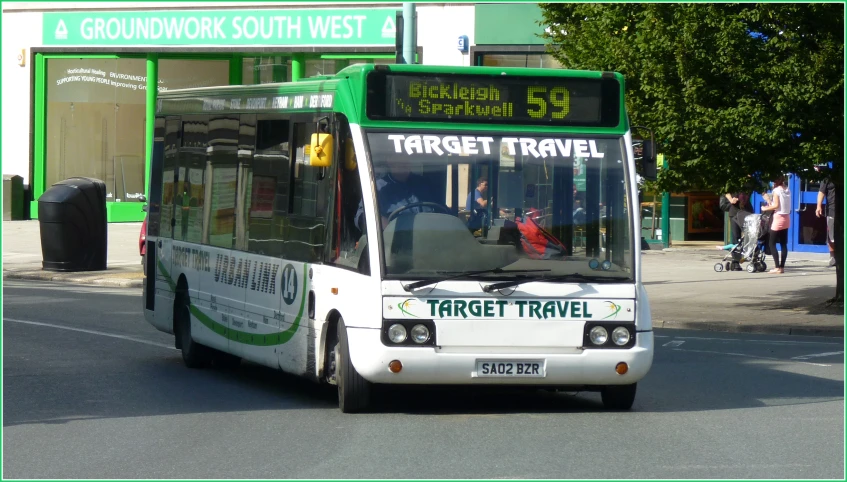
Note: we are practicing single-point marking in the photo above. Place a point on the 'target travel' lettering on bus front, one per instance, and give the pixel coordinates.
(472, 145)
(497, 309)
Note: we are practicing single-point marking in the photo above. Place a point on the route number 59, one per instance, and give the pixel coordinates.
(556, 100)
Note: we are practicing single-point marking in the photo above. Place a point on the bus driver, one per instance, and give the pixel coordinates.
(399, 187)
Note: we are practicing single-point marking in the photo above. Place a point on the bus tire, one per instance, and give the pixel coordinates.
(618, 397)
(194, 355)
(354, 392)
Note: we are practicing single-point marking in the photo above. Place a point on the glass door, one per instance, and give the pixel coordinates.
(807, 232)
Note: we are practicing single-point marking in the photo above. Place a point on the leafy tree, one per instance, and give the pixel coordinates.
(736, 93)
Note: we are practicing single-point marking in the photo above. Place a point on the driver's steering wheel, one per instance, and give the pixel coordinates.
(440, 207)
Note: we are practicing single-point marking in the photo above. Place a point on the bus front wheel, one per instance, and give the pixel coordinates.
(354, 392)
(618, 397)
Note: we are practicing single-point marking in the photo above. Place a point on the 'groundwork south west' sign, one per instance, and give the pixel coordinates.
(327, 27)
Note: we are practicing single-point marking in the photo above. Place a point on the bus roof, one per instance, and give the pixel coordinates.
(346, 91)
(359, 71)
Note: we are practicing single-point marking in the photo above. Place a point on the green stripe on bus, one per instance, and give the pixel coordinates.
(244, 337)
(167, 275)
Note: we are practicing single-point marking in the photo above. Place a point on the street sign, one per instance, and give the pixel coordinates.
(313, 27)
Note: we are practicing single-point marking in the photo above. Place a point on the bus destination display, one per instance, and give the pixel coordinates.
(535, 100)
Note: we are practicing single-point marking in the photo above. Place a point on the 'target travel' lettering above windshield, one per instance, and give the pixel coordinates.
(472, 145)
(463, 309)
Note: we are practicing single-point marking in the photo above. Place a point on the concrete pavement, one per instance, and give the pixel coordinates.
(684, 289)
(22, 256)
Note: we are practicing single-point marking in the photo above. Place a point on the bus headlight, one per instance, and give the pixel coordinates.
(603, 335)
(420, 334)
(409, 333)
(598, 335)
(620, 336)
(397, 333)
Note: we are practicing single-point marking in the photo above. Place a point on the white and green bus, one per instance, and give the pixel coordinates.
(404, 224)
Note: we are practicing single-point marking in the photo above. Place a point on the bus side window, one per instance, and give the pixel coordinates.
(267, 201)
(191, 193)
(349, 246)
(222, 172)
(244, 196)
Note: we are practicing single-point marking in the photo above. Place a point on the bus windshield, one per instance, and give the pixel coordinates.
(504, 206)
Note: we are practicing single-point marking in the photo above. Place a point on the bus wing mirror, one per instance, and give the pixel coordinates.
(649, 166)
(320, 152)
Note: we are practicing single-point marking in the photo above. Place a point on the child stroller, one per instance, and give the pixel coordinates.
(751, 248)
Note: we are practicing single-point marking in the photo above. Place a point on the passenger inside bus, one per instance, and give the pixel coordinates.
(477, 204)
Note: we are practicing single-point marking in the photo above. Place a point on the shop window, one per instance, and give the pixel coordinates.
(543, 61)
(271, 69)
(95, 123)
(265, 70)
(320, 67)
(186, 74)
(96, 114)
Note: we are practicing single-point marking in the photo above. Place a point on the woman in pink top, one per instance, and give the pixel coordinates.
(780, 203)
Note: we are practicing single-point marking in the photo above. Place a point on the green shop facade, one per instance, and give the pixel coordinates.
(97, 75)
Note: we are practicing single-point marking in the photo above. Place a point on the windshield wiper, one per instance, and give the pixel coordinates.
(420, 284)
(583, 277)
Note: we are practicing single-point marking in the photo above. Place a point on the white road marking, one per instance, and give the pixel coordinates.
(750, 356)
(674, 343)
(740, 340)
(92, 332)
(816, 355)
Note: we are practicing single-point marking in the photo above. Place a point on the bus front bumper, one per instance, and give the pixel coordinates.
(455, 366)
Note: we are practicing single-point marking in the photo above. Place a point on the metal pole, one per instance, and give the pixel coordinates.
(666, 213)
(298, 66)
(409, 27)
(150, 124)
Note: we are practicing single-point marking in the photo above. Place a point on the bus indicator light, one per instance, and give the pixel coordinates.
(621, 368)
(395, 366)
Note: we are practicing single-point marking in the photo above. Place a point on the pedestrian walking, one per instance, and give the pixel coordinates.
(827, 191)
(780, 203)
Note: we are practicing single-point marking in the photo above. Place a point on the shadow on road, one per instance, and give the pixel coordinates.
(58, 376)
(679, 382)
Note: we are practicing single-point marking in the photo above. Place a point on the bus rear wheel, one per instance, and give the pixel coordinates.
(194, 355)
(354, 392)
(618, 397)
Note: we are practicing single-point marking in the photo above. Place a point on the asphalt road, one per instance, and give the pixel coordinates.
(90, 390)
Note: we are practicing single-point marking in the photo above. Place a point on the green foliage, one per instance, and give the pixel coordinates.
(726, 87)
